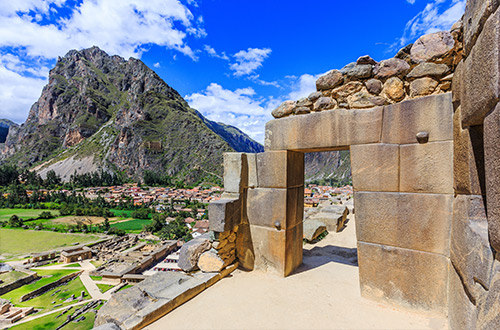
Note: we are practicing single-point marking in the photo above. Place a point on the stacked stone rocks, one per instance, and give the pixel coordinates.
(423, 68)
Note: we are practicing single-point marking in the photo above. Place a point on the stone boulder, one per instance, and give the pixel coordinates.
(359, 71)
(325, 103)
(210, 262)
(427, 69)
(422, 86)
(432, 46)
(108, 326)
(313, 229)
(390, 68)
(366, 59)
(330, 80)
(314, 96)
(5, 268)
(285, 109)
(394, 89)
(374, 86)
(190, 253)
(363, 100)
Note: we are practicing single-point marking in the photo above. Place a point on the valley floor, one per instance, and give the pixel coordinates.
(323, 294)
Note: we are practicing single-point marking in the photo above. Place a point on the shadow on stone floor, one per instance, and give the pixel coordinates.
(321, 255)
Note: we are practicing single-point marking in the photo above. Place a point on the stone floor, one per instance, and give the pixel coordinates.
(322, 294)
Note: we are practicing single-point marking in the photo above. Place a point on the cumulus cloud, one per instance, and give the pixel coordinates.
(157, 65)
(303, 86)
(33, 33)
(438, 15)
(211, 51)
(410, 1)
(241, 108)
(248, 61)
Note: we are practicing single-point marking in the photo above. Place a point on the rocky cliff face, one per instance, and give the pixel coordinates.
(5, 125)
(121, 116)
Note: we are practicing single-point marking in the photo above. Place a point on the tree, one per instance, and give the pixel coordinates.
(45, 215)
(141, 213)
(53, 179)
(176, 229)
(106, 225)
(15, 221)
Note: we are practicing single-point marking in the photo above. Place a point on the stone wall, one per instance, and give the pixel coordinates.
(475, 238)
(50, 286)
(30, 277)
(423, 68)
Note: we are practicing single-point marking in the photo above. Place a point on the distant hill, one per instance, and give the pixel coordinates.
(104, 112)
(5, 125)
(330, 167)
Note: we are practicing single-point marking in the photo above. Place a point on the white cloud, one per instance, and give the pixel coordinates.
(33, 33)
(248, 61)
(211, 51)
(240, 108)
(305, 85)
(157, 65)
(438, 15)
(410, 1)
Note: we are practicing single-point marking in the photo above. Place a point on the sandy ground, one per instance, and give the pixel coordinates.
(323, 294)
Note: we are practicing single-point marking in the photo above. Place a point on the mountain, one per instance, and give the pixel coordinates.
(329, 167)
(5, 125)
(104, 112)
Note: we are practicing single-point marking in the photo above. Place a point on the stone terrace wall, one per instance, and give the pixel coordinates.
(423, 68)
(474, 291)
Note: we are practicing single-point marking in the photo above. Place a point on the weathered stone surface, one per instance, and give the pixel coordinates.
(107, 326)
(390, 68)
(422, 86)
(462, 313)
(468, 158)
(304, 102)
(488, 316)
(428, 69)
(280, 169)
(412, 221)
(375, 167)
(414, 279)
(210, 262)
(330, 80)
(470, 251)
(275, 208)
(347, 67)
(252, 170)
(366, 59)
(394, 89)
(235, 172)
(363, 100)
(244, 247)
(224, 214)
(312, 229)
(433, 114)
(301, 110)
(476, 14)
(457, 82)
(431, 46)
(338, 128)
(5, 267)
(426, 167)
(360, 71)
(374, 86)
(190, 253)
(350, 88)
(325, 103)
(293, 254)
(480, 81)
(492, 171)
(285, 109)
(314, 96)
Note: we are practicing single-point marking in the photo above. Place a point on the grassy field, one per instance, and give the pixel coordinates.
(9, 277)
(73, 265)
(44, 301)
(52, 276)
(5, 214)
(104, 287)
(50, 322)
(95, 278)
(17, 242)
(132, 225)
(122, 213)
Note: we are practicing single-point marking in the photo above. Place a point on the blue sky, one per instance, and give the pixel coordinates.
(233, 60)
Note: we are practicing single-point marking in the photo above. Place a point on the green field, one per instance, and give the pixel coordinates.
(17, 242)
(95, 278)
(52, 276)
(132, 225)
(104, 287)
(5, 214)
(9, 277)
(50, 322)
(73, 265)
(122, 213)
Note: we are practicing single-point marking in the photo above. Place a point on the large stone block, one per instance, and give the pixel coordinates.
(326, 130)
(414, 279)
(470, 250)
(427, 168)
(488, 317)
(375, 167)
(481, 82)
(235, 172)
(476, 14)
(462, 313)
(492, 171)
(414, 221)
(432, 114)
(275, 208)
(224, 214)
(277, 251)
(468, 158)
(280, 169)
(252, 170)
(244, 247)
